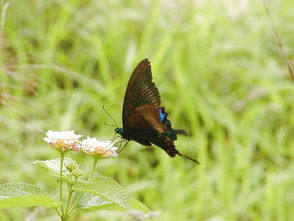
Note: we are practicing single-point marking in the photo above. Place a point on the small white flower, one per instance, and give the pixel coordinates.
(97, 148)
(63, 140)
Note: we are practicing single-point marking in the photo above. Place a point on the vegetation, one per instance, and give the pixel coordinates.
(220, 75)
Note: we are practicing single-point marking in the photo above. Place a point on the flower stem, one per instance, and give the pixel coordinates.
(78, 200)
(93, 168)
(61, 181)
(70, 192)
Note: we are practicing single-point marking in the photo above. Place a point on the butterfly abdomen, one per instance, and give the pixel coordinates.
(166, 144)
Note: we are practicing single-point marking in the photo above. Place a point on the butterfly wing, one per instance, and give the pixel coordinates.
(140, 91)
(141, 112)
(143, 124)
(145, 118)
(146, 128)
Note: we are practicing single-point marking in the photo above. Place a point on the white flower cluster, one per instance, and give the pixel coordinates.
(94, 147)
(67, 140)
(63, 140)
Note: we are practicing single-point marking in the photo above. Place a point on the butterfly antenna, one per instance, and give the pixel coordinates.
(103, 107)
(109, 125)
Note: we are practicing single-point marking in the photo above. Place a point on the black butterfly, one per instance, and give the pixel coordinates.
(144, 120)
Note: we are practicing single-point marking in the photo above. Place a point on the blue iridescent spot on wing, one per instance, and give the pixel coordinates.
(171, 133)
(162, 114)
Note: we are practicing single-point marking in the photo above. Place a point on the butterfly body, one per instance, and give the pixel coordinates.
(144, 120)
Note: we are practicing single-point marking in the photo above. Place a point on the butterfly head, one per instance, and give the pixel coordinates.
(120, 131)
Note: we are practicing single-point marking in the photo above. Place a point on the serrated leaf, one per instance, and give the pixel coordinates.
(92, 202)
(106, 193)
(53, 166)
(96, 202)
(105, 188)
(137, 205)
(24, 195)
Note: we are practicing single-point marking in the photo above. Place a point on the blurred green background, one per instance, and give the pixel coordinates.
(221, 78)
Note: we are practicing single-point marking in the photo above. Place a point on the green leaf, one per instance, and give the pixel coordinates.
(110, 195)
(24, 195)
(137, 205)
(53, 166)
(106, 188)
(92, 202)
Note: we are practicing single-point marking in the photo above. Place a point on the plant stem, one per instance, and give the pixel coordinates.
(61, 181)
(90, 176)
(93, 168)
(57, 212)
(68, 201)
(70, 192)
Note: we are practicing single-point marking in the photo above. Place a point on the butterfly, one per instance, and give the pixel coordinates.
(144, 119)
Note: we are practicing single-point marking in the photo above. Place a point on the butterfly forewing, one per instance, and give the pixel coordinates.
(140, 90)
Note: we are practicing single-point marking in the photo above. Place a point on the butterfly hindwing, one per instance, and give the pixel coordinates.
(145, 126)
(144, 123)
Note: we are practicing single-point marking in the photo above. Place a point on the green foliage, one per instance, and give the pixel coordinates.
(99, 193)
(220, 76)
(24, 195)
(90, 202)
(110, 195)
(95, 194)
(53, 167)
